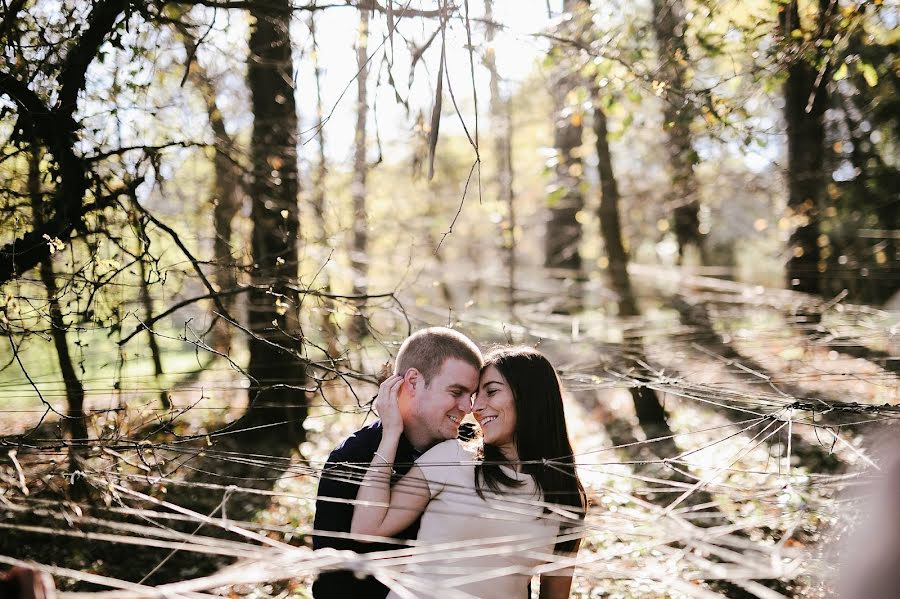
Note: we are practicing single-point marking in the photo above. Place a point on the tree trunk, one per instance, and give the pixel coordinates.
(329, 326)
(228, 199)
(276, 367)
(610, 225)
(228, 195)
(359, 249)
(678, 114)
(563, 235)
(805, 102)
(501, 118)
(872, 188)
(147, 303)
(650, 413)
(76, 420)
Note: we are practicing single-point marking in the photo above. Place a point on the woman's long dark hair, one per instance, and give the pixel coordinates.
(540, 435)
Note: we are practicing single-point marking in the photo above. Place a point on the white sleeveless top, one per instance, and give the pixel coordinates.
(477, 547)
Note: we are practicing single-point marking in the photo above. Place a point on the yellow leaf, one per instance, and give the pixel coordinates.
(841, 73)
(869, 74)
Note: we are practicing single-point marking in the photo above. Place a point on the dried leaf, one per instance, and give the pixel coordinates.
(436, 114)
(386, 370)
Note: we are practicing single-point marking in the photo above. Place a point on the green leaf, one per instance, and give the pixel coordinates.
(841, 73)
(554, 196)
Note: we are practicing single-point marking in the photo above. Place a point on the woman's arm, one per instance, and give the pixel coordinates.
(381, 510)
(555, 587)
(558, 586)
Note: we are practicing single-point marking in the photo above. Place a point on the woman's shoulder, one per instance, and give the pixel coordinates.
(451, 450)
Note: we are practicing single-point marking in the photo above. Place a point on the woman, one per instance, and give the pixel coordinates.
(490, 516)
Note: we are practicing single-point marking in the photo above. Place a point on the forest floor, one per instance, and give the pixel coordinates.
(773, 426)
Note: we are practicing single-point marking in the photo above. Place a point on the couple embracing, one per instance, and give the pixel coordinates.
(490, 513)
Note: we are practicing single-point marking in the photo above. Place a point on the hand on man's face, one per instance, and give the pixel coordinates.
(387, 405)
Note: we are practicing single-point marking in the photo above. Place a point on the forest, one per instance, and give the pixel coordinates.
(219, 219)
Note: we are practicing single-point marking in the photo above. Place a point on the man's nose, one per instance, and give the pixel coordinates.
(465, 404)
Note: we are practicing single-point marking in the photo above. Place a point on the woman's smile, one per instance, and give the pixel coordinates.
(495, 411)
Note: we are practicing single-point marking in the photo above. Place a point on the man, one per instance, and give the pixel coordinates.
(440, 369)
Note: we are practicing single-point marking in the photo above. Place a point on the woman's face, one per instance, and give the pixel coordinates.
(495, 410)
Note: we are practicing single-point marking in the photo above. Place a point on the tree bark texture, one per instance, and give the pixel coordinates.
(501, 120)
(76, 420)
(147, 304)
(227, 191)
(610, 223)
(275, 363)
(329, 326)
(678, 114)
(228, 196)
(650, 413)
(805, 102)
(563, 234)
(359, 247)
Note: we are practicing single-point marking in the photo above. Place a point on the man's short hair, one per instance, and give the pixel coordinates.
(428, 349)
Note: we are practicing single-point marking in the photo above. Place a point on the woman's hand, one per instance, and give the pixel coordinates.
(379, 510)
(388, 407)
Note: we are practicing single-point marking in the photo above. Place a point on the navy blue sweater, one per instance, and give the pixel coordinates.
(340, 479)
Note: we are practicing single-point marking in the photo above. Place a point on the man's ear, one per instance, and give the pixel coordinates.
(412, 377)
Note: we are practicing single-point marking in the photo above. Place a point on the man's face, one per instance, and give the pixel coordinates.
(436, 409)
